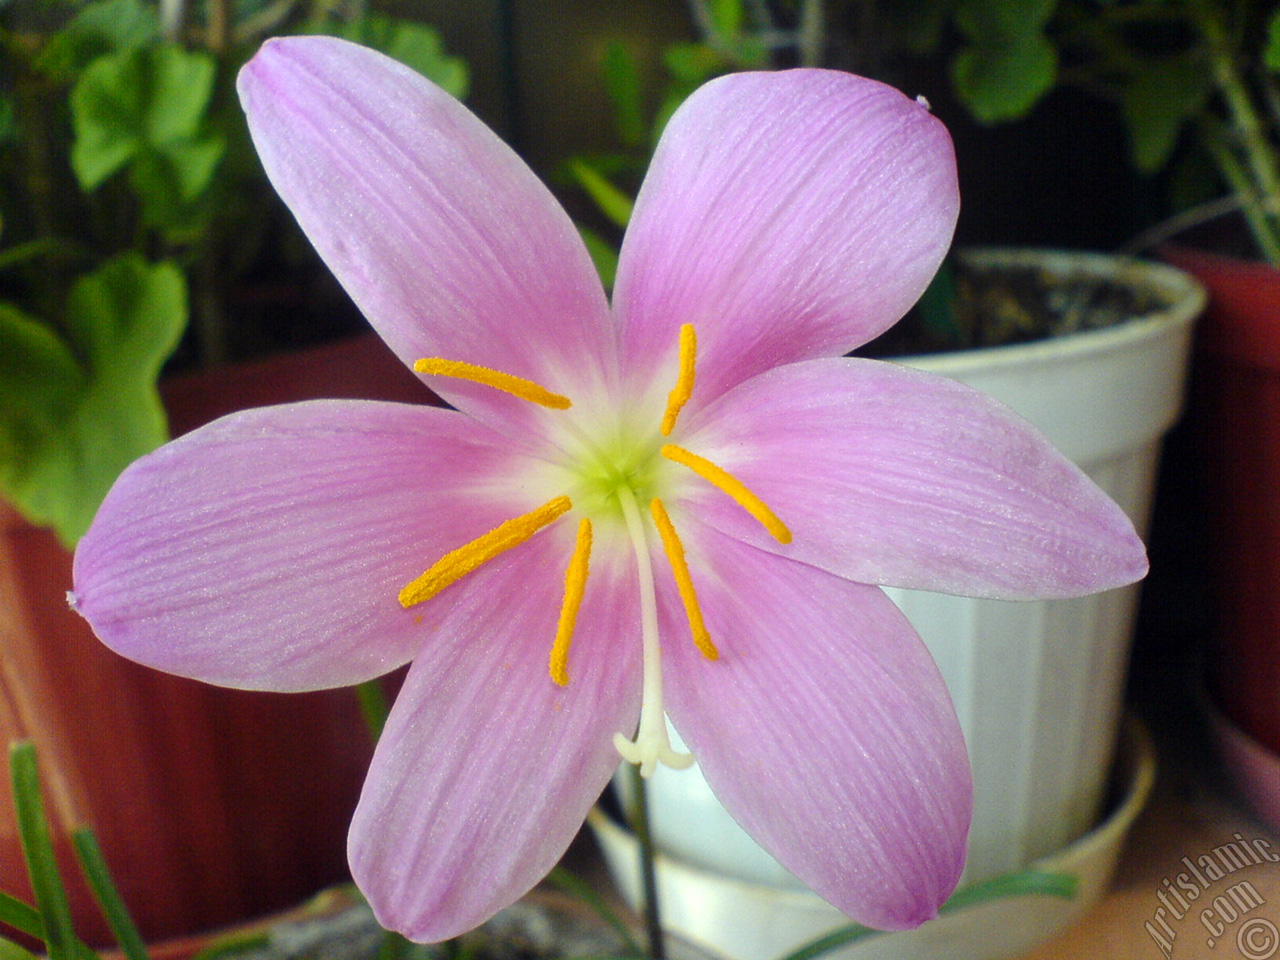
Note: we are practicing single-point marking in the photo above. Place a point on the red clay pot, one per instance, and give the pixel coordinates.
(1239, 361)
(212, 805)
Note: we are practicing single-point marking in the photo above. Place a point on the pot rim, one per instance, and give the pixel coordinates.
(1184, 298)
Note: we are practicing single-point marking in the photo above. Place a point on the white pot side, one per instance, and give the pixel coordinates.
(1038, 686)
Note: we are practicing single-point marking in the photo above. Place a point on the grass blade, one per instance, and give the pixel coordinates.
(42, 866)
(94, 866)
(611, 201)
(1062, 885)
(562, 879)
(21, 916)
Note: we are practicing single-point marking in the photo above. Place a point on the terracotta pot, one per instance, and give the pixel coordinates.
(212, 805)
(1238, 393)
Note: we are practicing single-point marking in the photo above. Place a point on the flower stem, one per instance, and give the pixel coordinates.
(648, 876)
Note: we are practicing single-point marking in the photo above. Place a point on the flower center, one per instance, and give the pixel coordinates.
(610, 480)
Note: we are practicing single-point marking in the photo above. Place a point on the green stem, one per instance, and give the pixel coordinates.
(172, 13)
(566, 881)
(94, 866)
(1271, 95)
(648, 875)
(1264, 228)
(218, 25)
(1261, 166)
(811, 34)
(210, 323)
(37, 847)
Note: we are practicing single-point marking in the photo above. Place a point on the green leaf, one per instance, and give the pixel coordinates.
(1028, 883)
(603, 255)
(126, 317)
(622, 84)
(169, 179)
(8, 121)
(691, 64)
(26, 919)
(1157, 103)
(123, 103)
(105, 26)
(374, 707)
(122, 321)
(420, 48)
(919, 24)
(37, 846)
(1002, 82)
(937, 309)
(728, 17)
(40, 379)
(12, 951)
(414, 44)
(1271, 51)
(613, 203)
(996, 23)
(94, 866)
(21, 916)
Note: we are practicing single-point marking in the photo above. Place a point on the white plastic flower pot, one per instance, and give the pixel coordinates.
(1038, 686)
(743, 920)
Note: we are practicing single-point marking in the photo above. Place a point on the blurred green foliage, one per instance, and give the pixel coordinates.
(131, 203)
(1202, 72)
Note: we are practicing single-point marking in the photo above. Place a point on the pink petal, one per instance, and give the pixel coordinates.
(486, 768)
(787, 216)
(444, 238)
(266, 550)
(892, 476)
(824, 728)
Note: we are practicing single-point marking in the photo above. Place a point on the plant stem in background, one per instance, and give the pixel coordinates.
(207, 312)
(811, 33)
(218, 26)
(171, 17)
(1252, 204)
(648, 876)
(567, 882)
(1259, 174)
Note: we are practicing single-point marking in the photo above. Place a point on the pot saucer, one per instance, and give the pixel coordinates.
(748, 921)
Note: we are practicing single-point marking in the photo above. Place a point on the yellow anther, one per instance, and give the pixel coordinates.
(684, 583)
(516, 386)
(575, 583)
(458, 563)
(735, 488)
(683, 389)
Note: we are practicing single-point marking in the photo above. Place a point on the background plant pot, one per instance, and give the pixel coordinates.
(1237, 399)
(1038, 686)
(212, 805)
(756, 921)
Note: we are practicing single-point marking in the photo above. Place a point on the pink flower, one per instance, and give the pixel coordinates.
(697, 465)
